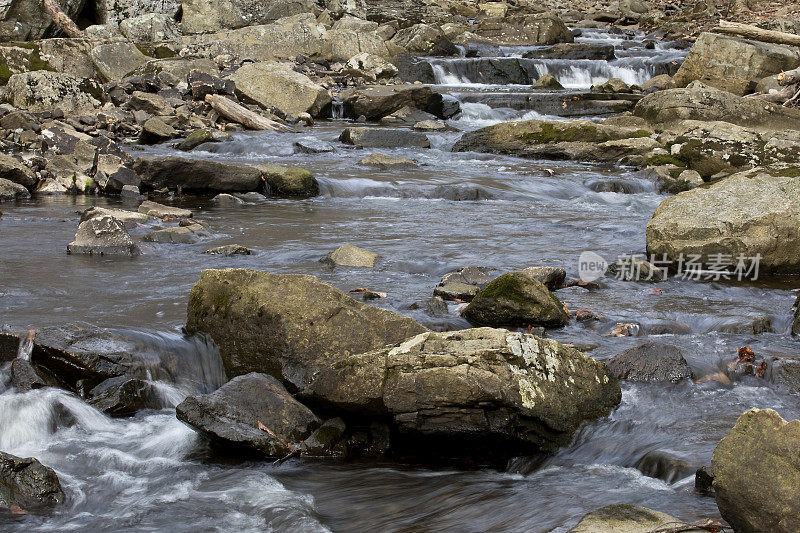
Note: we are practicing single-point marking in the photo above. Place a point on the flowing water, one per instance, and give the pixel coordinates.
(151, 472)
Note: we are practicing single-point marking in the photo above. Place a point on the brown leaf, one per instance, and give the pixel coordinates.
(17, 510)
(746, 354)
(657, 292)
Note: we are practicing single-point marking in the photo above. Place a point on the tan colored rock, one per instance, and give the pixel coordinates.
(276, 84)
(287, 325)
(757, 474)
(351, 256)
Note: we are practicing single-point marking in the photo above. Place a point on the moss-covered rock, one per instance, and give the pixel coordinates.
(289, 182)
(286, 325)
(578, 139)
(516, 299)
(757, 473)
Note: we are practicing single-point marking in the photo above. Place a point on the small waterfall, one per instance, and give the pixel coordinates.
(26, 347)
(28, 419)
(337, 109)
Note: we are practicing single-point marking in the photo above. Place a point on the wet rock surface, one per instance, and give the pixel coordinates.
(650, 362)
(483, 386)
(27, 483)
(230, 416)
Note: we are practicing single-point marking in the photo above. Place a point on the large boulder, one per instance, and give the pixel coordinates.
(286, 325)
(27, 483)
(115, 11)
(579, 139)
(150, 27)
(203, 16)
(11, 191)
(43, 90)
(57, 55)
(516, 299)
(370, 67)
(284, 39)
(103, 235)
(275, 84)
(115, 61)
(489, 389)
(525, 30)
(196, 174)
(622, 518)
(733, 64)
(745, 214)
(232, 415)
(703, 103)
(424, 39)
(757, 473)
(377, 101)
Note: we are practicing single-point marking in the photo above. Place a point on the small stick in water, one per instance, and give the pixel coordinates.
(26, 346)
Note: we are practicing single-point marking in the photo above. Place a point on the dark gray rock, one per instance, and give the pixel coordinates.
(123, 396)
(650, 362)
(552, 277)
(27, 483)
(196, 175)
(24, 376)
(230, 416)
(383, 138)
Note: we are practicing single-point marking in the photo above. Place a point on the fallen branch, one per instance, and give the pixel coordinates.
(240, 114)
(790, 77)
(294, 449)
(757, 34)
(61, 19)
(793, 99)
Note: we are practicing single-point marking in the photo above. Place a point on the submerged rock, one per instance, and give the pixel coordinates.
(202, 136)
(351, 256)
(757, 474)
(493, 390)
(309, 145)
(103, 235)
(27, 483)
(228, 250)
(232, 415)
(622, 518)
(651, 361)
(516, 299)
(286, 325)
(383, 138)
(744, 214)
(177, 235)
(385, 162)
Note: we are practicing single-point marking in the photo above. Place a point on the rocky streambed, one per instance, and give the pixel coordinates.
(380, 314)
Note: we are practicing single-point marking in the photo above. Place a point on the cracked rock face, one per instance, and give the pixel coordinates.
(496, 390)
